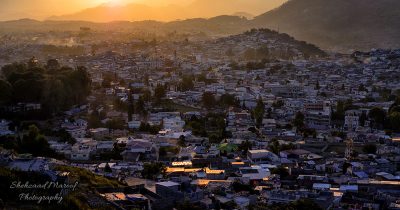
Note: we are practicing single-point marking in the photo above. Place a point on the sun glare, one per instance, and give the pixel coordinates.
(115, 2)
(109, 2)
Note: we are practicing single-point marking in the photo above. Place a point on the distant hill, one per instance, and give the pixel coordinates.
(130, 12)
(197, 9)
(338, 24)
(267, 44)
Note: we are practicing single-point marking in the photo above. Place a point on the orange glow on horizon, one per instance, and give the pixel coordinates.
(131, 10)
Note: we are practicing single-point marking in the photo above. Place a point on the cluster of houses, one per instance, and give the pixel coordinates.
(265, 163)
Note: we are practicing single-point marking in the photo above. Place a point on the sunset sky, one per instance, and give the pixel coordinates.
(42, 9)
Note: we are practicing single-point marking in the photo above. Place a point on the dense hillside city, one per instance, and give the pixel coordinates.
(93, 119)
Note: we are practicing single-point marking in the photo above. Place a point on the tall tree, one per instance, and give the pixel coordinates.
(299, 120)
(5, 92)
(378, 116)
(208, 100)
(394, 121)
(259, 112)
(159, 92)
(186, 83)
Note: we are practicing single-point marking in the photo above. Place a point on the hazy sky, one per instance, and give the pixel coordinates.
(41, 9)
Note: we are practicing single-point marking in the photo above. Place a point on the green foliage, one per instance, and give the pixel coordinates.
(240, 187)
(341, 108)
(35, 143)
(107, 79)
(363, 118)
(140, 106)
(182, 141)
(394, 121)
(309, 132)
(299, 120)
(281, 171)
(163, 151)
(56, 90)
(153, 170)
(277, 148)
(94, 120)
(32, 142)
(146, 95)
(5, 93)
(186, 84)
(228, 100)
(203, 78)
(258, 112)
(377, 115)
(278, 104)
(274, 146)
(120, 105)
(65, 136)
(9, 142)
(88, 178)
(212, 126)
(208, 100)
(369, 148)
(214, 138)
(245, 146)
(116, 124)
(115, 154)
(197, 126)
(145, 127)
(159, 92)
(394, 108)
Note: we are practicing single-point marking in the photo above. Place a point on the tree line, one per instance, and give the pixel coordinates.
(55, 88)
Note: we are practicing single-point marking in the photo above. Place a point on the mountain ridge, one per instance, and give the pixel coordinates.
(348, 23)
(340, 25)
(171, 12)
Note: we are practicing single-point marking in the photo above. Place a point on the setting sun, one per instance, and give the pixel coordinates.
(114, 2)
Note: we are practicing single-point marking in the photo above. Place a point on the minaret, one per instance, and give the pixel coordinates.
(349, 149)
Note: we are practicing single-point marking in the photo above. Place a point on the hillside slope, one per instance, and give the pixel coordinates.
(338, 24)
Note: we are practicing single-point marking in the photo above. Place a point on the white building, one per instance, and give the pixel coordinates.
(174, 124)
(76, 129)
(83, 149)
(352, 119)
(262, 156)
